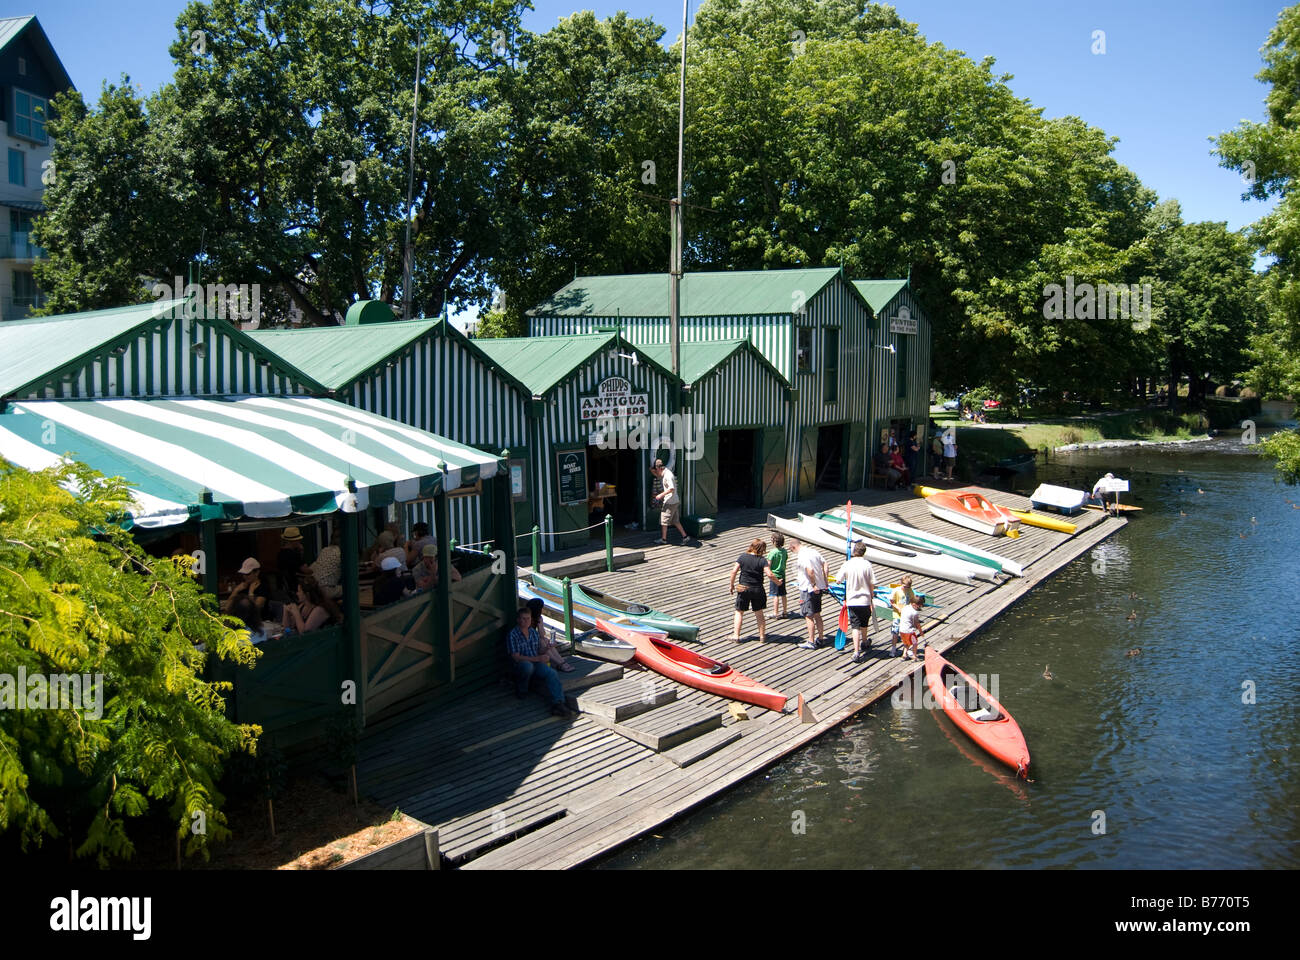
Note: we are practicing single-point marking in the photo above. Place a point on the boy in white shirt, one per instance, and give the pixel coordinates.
(909, 628)
(812, 585)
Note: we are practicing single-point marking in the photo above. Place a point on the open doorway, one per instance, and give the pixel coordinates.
(736, 471)
(620, 469)
(830, 452)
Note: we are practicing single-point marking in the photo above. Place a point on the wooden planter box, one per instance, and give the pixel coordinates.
(416, 852)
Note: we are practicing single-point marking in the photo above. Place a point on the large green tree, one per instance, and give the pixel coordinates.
(79, 597)
(1268, 156)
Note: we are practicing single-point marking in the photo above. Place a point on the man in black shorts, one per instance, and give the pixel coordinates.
(859, 594)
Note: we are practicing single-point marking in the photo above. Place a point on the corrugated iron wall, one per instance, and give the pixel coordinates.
(885, 402)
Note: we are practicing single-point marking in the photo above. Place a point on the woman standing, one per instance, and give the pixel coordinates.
(751, 566)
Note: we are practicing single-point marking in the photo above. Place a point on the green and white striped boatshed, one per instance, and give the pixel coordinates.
(424, 373)
(900, 382)
(227, 459)
(810, 324)
(744, 404)
(571, 381)
(147, 350)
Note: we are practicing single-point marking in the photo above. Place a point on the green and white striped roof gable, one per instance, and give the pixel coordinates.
(227, 458)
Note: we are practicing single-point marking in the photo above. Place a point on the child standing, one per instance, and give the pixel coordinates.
(909, 629)
(776, 560)
(898, 601)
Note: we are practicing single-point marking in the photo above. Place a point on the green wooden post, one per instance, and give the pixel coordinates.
(568, 609)
(443, 670)
(453, 544)
(350, 548)
(609, 544)
(537, 549)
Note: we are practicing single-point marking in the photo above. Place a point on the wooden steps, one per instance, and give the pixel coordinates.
(700, 747)
(666, 727)
(618, 701)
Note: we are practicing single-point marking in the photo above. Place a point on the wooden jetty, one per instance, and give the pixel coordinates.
(509, 787)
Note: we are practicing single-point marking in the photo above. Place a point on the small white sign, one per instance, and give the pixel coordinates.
(1112, 485)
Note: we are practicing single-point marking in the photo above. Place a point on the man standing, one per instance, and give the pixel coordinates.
(949, 450)
(811, 567)
(859, 594)
(525, 647)
(670, 503)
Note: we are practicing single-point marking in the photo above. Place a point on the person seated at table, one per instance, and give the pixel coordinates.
(248, 614)
(312, 611)
(885, 466)
(425, 573)
(390, 585)
(556, 659)
(420, 538)
(529, 660)
(250, 586)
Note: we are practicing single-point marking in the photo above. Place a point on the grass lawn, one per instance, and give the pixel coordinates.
(990, 442)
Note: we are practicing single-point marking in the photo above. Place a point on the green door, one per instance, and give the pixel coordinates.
(771, 467)
(808, 462)
(571, 517)
(706, 477)
(855, 439)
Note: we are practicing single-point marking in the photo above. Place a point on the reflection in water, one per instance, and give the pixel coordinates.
(1185, 749)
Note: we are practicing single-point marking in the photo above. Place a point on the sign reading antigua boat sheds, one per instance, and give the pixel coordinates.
(614, 398)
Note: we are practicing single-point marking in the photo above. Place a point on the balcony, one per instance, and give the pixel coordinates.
(18, 308)
(19, 246)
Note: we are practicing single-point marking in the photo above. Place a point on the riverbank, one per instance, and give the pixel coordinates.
(986, 443)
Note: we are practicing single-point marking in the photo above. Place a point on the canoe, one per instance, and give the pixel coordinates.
(1020, 463)
(921, 559)
(972, 510)
(582, 614)
(942, 567)
(594, 643)
(912, 535)
(1031, 519)
(1064, 500)
(655, 651)
(614, 606)
(978, 715)
(880, 601)
(1113, 508)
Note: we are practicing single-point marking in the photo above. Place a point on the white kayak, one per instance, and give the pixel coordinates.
(953, 548)
(1061, 499)
(941, 567)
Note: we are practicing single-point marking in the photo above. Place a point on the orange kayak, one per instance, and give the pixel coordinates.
(979, 716)
(695, 670)
(973, 510)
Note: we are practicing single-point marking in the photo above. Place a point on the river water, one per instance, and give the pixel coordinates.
(1180, 755)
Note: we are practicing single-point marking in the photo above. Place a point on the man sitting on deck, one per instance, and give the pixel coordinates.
(525, 648)
(885, 467)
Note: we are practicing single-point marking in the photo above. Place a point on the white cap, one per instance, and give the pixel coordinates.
(390, 563)
(250, 566)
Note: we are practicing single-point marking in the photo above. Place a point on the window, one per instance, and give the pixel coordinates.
(830, 365)
(30, 112)
(24, 288)
(22, 67)
(17, 167)
(803, 350)
(902, 365)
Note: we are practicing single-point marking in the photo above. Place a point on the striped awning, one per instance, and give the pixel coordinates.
(229, 458)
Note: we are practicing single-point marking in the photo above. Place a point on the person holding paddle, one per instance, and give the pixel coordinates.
(859, 594)
(750, 568)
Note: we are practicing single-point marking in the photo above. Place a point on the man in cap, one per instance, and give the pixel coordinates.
(250, 585)
(289, 562)
(425, 572)
(669, 502)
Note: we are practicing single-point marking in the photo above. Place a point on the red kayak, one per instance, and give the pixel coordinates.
(980, 717)
(693, 669)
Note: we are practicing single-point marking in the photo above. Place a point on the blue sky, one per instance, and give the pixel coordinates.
(1175, 72)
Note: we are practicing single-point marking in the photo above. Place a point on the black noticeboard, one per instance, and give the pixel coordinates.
(571, 465)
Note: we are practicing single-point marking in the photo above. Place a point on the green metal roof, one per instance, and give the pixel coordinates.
(701, 358)
(878, 293)
(542, 363)
(335, 356)
(30, 350)
(716, 294)
(227, 458)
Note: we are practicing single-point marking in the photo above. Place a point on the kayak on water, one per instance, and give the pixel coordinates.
(978, 715)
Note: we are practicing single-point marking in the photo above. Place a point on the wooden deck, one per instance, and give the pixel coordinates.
(507, 786)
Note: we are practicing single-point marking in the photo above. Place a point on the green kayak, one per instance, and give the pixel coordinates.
(616, 606)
